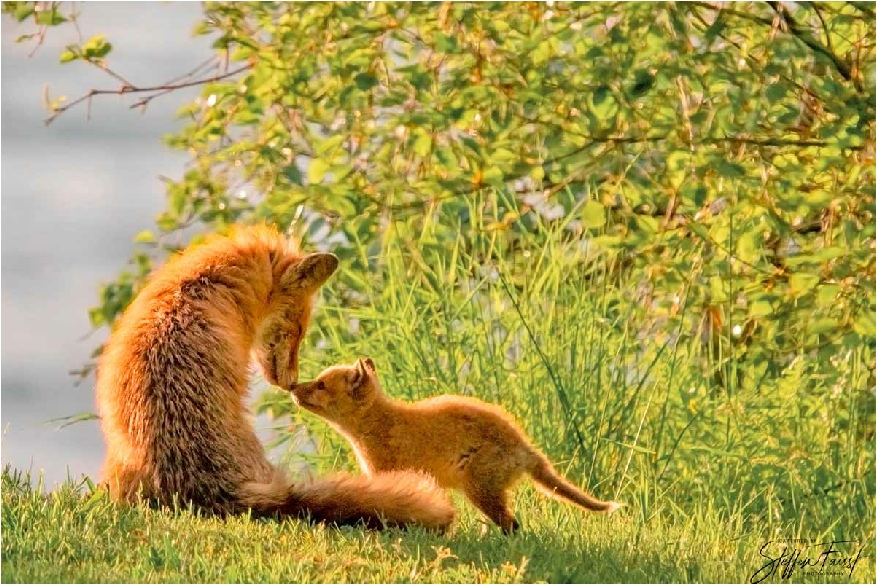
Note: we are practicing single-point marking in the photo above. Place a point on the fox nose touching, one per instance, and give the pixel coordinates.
(299, 392)
(289, 381)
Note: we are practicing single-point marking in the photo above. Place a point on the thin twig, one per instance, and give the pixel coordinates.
(74, 19)
(158, 89)
(818, 12)
(100, 64)
(196, 71)
(41, 37)
(739, 14)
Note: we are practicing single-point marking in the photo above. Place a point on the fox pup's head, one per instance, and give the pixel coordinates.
(340, 392)
(283, 329)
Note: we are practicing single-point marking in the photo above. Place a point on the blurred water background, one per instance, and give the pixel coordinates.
(73, 196)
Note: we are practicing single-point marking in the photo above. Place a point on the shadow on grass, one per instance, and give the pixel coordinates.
(549, 556)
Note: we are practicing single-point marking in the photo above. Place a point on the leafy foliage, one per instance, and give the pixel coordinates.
(728, 143)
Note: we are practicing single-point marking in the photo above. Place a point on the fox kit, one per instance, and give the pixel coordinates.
(462, 442)
(172, 382)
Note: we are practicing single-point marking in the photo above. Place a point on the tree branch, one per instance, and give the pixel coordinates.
(798, 32)
(155, 91)
(818, 12)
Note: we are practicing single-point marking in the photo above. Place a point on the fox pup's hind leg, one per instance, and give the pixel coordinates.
(494, 503)
(488, 478)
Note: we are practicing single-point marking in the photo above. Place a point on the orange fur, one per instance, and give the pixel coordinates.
(173, 376)
(462, 442)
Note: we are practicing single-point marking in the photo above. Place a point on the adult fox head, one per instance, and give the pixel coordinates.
(282, 331)
(340, 393)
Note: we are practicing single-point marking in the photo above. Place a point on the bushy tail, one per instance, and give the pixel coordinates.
(385, 499)
(550, 483)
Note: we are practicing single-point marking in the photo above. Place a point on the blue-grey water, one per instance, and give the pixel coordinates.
(73, 196)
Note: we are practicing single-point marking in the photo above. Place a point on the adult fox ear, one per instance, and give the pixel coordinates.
(310, 272)
(370, 364)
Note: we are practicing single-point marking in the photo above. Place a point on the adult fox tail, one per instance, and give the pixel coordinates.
(384, 499)
(551, 484)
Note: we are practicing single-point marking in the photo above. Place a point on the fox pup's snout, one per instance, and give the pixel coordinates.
(306, 394)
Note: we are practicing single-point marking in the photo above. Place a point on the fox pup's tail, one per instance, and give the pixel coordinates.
(384, 499)
(550, 483)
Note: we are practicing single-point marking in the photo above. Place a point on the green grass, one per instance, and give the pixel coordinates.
(75, 535)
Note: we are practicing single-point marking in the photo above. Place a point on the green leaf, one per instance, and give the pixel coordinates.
(96, 47)
(493, 176)
(365, 81)
(865, 325)
(68, 56)
(201, 28)
(340, 203)
(317, 170)
(824, 325)
(447, 158)
(445, 43)
(167, 222)
(730, 169)
(144, 237)
(178, 200)
(593, 214)
(422, 144)
(328, 145)
(775, 92)
(647, 223)
(292, 174)
(50, 17)
(802, 283)
(96, 317)
(603, 104)
(749, 246)
(23, 10)
(760, 308)
(221, 43)
(827, 295)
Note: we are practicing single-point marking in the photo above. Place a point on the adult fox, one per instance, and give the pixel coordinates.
(172, 383)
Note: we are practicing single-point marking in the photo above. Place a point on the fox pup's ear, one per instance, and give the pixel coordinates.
(310, 273)
(359, 379)
(370, 364)
(361, 369)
